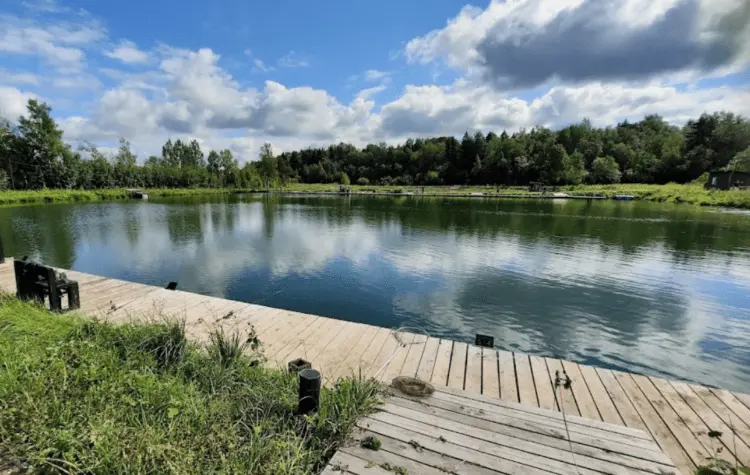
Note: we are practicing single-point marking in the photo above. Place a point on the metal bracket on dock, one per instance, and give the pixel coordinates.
(485, 341)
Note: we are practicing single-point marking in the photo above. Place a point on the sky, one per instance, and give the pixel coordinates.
(236, 74)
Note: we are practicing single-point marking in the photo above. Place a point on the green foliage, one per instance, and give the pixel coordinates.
(370, 442)
(741, 162)
(345, 179)
(362, 181)
(91, 397)
(604, 170)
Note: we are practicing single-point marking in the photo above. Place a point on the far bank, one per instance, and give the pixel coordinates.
(694, 194)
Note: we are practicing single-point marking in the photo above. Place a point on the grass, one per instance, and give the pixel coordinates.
(52, 196)
(81, 396)
(692, 193)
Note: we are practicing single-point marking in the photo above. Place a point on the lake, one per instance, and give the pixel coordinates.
(655, 289)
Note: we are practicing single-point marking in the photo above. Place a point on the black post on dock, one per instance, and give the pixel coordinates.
(309, 391)
(2, 253)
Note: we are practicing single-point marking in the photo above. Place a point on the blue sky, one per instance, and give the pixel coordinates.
(235, 74)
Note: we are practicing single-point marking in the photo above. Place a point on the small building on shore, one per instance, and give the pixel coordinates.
(724, 180)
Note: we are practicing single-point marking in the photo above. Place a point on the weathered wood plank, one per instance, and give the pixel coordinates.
(599, 394)
(677, 423)
(331, 357)
(724, 411)
(547, 418)
(311, 348)
(661, 432)
(397, 361)
(398, 453)
(458, 366)
(624, 406)
(533, 443)
(413, 358)
(503, 461)
(544, 389)
(744, 398)
(473, 380)
(344, 462)
(580, 389)
(490, 373)
(565, 397)
(710, 420)
(349, 366)
(280, 354)
(532, 430)
(442, 364)
(525, 380)
(367, 363)
(449, 437)
(732, 401)
(508, 385)
(427, 363)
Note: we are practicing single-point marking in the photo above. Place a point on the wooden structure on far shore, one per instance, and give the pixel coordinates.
(136, 194)
(677, 415)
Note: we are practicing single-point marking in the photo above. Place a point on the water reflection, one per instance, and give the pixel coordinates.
(655, 289)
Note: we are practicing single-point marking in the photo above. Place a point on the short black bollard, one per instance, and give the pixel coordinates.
(171, 286)
(309, 391)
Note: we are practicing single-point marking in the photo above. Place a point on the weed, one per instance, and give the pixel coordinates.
(370, 442)
(394, 468)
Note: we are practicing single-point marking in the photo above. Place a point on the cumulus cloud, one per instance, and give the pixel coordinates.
(13, 77)
(524, 43)
(373, 75)
(128, 53)
(13, 102)
(60, 44)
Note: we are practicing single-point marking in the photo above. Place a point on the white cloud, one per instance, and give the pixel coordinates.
(13, 102)
(12, 77)
(128, 53)
(259, 65)
(373, 75)
(60, 44)
(523, 43)
(371, 91)
(292, 60)
(44, 6)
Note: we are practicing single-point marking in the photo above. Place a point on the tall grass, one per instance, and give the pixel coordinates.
(80, 396)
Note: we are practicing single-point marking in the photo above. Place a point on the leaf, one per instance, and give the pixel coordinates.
(744, 470)
(172, 412)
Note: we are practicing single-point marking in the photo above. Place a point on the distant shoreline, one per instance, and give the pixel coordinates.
(670, 193)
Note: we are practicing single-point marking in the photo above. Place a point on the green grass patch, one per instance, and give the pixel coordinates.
(54, 196)
(81, 396)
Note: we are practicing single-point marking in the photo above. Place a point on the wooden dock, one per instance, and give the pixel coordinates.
(677, 415)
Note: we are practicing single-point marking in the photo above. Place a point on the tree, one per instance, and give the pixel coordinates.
(574, 168)
(741, 162)
(269, 166)
(362, 181)
(41, 146)
(213, 165)
(604, 170)
(345, 179)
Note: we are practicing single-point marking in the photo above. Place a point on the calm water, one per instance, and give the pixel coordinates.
(661, 290)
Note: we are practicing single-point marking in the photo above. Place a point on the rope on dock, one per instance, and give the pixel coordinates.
(402, 344)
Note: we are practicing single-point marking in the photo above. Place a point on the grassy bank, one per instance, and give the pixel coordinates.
(78, 396)
(52, 196)
(669, 193)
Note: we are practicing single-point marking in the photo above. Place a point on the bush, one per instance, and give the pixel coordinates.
(362, 181)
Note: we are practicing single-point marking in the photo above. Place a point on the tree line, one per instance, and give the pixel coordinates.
(33, 155)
